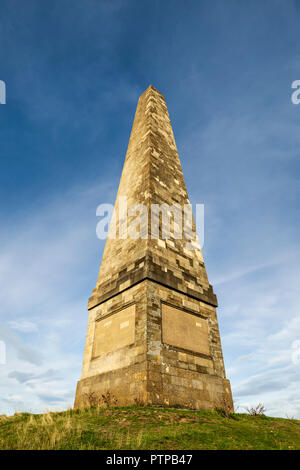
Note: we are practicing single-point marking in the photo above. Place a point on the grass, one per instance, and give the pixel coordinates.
(146, 428)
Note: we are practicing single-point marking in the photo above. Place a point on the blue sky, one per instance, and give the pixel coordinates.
(74, 71)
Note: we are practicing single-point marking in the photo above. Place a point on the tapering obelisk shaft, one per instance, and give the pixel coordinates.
(153, 333)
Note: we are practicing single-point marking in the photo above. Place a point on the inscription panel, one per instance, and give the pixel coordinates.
(184, 330)
(115, 331)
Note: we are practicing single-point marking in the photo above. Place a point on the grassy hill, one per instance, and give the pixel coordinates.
(146, 428)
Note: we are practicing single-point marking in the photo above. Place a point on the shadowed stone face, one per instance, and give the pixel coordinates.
(114, 332)
(153, 332)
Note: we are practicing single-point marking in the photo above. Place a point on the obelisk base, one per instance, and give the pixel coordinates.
(153, 345)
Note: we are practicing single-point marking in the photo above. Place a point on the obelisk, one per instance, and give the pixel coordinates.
(153, 334)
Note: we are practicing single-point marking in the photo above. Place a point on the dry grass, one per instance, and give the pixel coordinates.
(258, 410)
(40, 432)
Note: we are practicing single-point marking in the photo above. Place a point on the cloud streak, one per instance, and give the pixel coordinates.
(49, 259)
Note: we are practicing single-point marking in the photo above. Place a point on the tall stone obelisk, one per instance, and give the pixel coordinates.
(153, 333)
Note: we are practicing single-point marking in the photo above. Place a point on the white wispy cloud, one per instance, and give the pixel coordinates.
(48, 269)
(23, 326)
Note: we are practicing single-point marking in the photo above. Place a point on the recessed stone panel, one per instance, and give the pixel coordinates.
(115, 331)
(184, 330)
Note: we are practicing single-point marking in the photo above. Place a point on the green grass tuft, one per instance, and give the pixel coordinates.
(146, 427)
